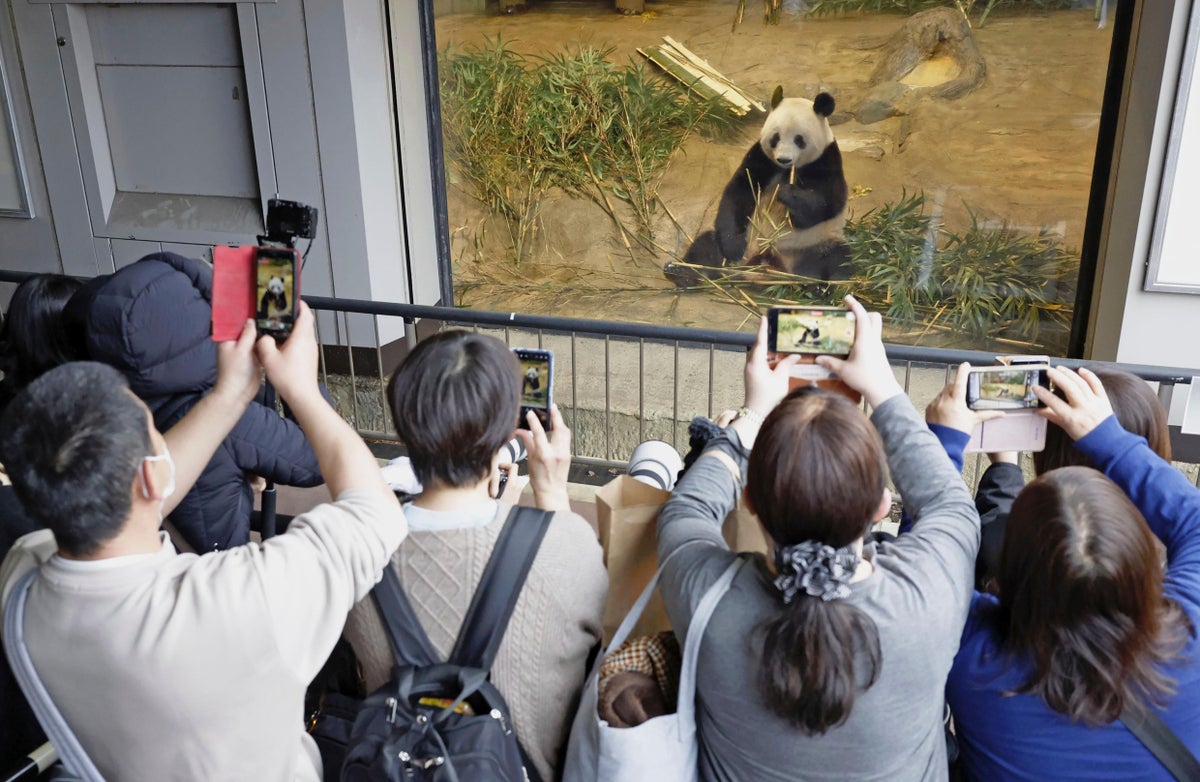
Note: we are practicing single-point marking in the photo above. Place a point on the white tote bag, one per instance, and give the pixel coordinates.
(662, 749)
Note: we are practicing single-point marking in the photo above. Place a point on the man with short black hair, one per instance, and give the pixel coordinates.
(455, 400)
(170, 665)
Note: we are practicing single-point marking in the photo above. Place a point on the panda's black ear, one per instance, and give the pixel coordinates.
(823, 105)
(776, 97)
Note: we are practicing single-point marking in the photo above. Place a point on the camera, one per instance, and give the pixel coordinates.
(262, 281)
(288, 221)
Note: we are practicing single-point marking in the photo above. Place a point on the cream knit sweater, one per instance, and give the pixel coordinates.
(540, 666)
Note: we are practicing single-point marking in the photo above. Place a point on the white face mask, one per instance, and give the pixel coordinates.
(170, 487)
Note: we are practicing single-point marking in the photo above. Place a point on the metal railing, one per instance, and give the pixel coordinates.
(618, 383)
(625, 382)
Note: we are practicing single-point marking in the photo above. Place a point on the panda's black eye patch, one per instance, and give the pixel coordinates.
(799, 142)
(774, 140)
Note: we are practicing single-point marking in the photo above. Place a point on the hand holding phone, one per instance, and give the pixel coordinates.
(867, 369)
(549, 461)
(949, 408)
(814, 331)
(252, 282)
(1009, 392)
(1086, 404)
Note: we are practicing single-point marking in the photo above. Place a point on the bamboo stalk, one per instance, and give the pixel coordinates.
(611, 212)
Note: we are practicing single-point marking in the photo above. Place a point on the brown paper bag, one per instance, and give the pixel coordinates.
(626, 516)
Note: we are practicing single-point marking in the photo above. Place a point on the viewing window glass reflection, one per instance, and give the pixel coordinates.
(629, 166)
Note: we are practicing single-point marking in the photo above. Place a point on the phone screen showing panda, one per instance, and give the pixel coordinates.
(537, 381)
(813, 330)
(275, 290)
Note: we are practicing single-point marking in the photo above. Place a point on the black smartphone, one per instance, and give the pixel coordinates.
(819, 331)
(1005, 388)
(276, 290)
(537, 384)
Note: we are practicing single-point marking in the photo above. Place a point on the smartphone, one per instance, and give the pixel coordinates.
(820, 331)
(1005, 388)
(276, 290)
(537, 384)
(1017, 361)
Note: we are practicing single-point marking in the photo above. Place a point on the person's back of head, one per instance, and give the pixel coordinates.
(71, 442)
(816, 481)
(34, 338)
(1081, 596)
(455, 401)
(1137, 409)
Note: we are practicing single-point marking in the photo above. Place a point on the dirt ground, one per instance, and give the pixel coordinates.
(1019, 150)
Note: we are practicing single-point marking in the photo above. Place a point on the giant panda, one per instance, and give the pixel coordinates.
(795, 164)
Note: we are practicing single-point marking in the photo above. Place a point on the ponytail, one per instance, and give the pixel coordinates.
(815, 479)
(817, 656)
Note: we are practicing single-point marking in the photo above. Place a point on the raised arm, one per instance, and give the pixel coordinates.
(549, 460)
(345, 461)
(331, 556)
(952, 422)
(1168, 500)
(945, 524)
(198, 434)
(708, 491)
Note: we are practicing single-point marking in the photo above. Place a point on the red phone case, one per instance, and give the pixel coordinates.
(233, 290)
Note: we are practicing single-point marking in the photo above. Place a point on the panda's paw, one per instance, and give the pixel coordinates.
(685, 275)
(766, 257)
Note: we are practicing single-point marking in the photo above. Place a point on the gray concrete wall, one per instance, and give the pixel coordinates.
(312, 92)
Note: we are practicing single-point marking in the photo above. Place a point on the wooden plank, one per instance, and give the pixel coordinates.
(696, 82)
(720, 89)
(704, 66)
(679, 73)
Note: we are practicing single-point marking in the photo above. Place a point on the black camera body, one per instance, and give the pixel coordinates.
(290, 220)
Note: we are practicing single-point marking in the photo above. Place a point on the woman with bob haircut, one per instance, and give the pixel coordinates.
(1087, 631)
(828, 660)
(455, 401)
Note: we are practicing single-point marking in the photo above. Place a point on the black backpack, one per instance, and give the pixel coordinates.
(445, 721)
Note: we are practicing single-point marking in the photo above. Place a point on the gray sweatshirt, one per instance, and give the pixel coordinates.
(918, 597)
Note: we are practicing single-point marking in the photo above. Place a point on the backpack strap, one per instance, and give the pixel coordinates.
(73, 755)
(1162, 742)
(496, 596)
(409, 642)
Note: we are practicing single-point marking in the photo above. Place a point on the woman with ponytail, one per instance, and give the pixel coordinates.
(827, 661)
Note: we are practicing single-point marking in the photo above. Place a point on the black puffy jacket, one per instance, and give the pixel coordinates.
(151, 320)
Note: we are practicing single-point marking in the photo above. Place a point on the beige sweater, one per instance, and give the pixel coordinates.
(176, 667)
(540, 666)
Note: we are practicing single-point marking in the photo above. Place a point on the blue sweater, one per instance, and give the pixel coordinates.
(1020, 738)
